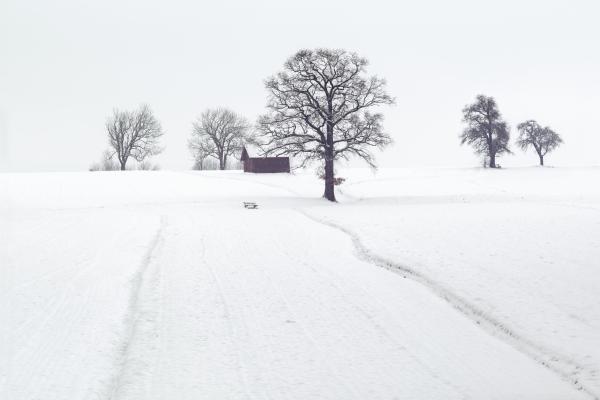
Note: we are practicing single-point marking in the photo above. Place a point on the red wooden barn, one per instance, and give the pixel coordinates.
(264, 164)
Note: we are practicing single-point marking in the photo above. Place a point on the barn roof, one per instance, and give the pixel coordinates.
(250, 150)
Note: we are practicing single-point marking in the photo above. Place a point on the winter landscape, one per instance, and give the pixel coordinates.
(328, 200)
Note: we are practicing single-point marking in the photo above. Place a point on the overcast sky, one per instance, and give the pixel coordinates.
(65, 64)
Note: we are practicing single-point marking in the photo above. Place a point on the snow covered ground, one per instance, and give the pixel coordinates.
(418, 284)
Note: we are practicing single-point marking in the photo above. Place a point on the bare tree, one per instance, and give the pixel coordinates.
(543, 140)
(219, 134)
(133, 134)
(485, 131)
(318, 110)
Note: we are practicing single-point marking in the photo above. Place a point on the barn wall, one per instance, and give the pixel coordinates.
(267, 165)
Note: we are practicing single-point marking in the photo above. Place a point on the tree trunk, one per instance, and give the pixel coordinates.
(123, 165)
(541, 160)
(492, 160)
(329, 173)
(221, 163)
(329, 178)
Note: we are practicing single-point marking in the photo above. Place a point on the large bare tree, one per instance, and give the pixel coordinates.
(485, 131)
(218, 133)
(318, 110)
(542, 139)
(133, 134)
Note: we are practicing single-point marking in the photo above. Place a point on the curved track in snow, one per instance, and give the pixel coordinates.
(565, 367)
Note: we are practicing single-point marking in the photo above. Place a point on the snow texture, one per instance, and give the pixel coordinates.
(418, 284)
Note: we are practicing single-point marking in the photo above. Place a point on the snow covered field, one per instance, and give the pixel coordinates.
(418, 284)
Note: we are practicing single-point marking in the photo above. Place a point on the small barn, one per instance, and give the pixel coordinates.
(263, 165)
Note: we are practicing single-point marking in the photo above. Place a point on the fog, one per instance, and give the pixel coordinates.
(66, 64)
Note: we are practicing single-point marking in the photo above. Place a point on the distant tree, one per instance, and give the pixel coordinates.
(106, 163)
(199, 162)
(148, 166)
(133, 134)
(543, 140)
(201, 148)
(318, 110)
(219, 134)
(485, 131)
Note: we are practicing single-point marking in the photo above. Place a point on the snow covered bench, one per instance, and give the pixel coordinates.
(251, 205)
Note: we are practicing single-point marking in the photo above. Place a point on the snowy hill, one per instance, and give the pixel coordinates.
(418, 284)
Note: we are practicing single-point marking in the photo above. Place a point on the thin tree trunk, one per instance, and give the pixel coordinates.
(123, 165)
(541, 160)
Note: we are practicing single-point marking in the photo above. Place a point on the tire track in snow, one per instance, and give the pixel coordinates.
(132, 318)
(566, 368)
(30, 336)
(329, 277)
(307, 333)
(226, 303)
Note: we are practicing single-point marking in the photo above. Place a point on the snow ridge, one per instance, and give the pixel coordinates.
(135, 318)
(565, 367)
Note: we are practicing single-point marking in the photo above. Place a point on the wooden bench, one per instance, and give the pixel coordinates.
(251, 205)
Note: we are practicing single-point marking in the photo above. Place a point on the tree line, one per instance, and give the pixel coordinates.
(489, 134)
(319, 109)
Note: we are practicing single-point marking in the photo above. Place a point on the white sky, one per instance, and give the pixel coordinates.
(65, 64)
